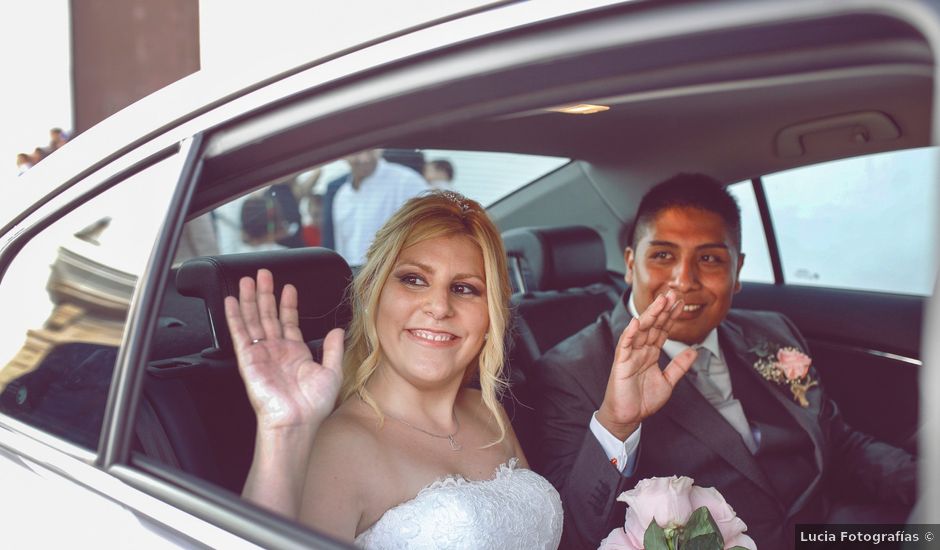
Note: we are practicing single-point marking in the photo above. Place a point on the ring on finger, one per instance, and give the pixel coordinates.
(256, 340)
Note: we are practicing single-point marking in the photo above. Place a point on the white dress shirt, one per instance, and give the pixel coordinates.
(359, 213)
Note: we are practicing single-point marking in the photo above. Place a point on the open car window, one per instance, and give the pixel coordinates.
(303, 210)
(832, 222)
(863, 223)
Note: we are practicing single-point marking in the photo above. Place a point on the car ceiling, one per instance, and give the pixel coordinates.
(713, 103)
(725, 126)
(721, 117)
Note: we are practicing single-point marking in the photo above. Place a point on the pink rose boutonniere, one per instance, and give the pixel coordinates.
(669, 513)
(785, 366)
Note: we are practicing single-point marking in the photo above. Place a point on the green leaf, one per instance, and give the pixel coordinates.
(700, 523)
(708, 541)
(761, 349)
(655, 538)
(737, 548)
(701, 532)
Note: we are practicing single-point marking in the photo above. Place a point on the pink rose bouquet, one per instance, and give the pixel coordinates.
(669, 513)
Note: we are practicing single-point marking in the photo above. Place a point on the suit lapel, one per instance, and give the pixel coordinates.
(688, 408)
(740, 347)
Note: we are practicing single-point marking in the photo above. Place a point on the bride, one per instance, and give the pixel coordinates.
(413, 456)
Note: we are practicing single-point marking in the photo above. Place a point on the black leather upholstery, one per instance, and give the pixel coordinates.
(320, 275)
(562, 285)
(195, 414)
(556, 258)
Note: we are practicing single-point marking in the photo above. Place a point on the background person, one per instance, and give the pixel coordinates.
(57, 138)
(356, 205)
(38, 154)
(440, 174)
(311, 230)
(264, 225)
(23, 162)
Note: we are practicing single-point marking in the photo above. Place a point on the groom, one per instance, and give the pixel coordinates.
(771, 442)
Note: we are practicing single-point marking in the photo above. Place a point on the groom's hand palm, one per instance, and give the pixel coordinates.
(637, 387)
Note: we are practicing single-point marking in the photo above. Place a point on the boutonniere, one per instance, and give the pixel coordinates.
(785, 366)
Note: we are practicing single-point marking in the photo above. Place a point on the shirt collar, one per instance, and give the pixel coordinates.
(673, 347)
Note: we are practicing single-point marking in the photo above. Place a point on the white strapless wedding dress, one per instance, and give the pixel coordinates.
(517, 508)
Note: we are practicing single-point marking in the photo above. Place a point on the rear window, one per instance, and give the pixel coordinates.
(323, 207)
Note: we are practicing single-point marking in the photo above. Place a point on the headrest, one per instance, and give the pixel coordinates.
(556, 258)
(320, 275)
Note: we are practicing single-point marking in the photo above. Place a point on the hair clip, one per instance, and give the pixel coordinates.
(461, 201)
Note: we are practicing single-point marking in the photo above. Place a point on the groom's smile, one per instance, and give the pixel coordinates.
(689, 251)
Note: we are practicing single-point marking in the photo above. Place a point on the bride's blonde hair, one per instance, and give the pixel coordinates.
(431, 215)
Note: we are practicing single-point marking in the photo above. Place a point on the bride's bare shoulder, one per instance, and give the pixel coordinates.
(353, 426)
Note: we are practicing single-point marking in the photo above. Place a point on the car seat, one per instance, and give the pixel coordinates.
(194, 413)
(560, 285)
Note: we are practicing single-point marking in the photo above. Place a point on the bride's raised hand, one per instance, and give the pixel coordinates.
(286, 387)
(637, 387)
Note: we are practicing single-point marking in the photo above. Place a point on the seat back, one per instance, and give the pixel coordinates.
(321, 277)
(195, 414)
(561, 285)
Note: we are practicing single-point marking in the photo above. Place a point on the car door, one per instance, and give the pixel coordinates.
(852, 263)
(69, 277)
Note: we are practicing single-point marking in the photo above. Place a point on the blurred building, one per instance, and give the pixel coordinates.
(123, 50)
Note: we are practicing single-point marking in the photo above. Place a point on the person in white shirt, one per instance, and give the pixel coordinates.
(374, 190)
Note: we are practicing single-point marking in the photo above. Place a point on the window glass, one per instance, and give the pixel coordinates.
(757, 266)
(488, 177)
(864, 223)
(67, 293)
(321, 207)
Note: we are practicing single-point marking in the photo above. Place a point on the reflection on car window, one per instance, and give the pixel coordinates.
(68, 292)
(757, 267)
(341, 204)
(863, 223)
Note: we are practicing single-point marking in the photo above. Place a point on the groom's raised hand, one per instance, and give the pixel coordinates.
(637, 387)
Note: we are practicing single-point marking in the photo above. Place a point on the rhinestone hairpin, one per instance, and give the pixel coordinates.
(461, 201)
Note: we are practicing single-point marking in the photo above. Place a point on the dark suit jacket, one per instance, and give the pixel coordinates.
(689, 437)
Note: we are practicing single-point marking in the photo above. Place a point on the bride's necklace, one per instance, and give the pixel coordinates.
(454, 446)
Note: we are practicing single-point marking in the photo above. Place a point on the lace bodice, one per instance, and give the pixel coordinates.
(517, 508)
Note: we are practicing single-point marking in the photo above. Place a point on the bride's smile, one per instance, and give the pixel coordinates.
(432, 315)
